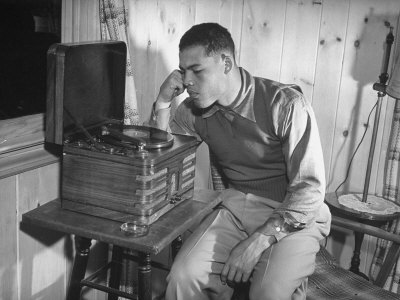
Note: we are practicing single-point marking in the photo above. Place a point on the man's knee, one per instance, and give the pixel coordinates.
(267, 291)
(184, 273)
(274, 290)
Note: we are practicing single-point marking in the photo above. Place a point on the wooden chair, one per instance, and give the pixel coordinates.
(330, 281)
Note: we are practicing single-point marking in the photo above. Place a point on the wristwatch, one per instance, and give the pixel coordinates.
(282, 226)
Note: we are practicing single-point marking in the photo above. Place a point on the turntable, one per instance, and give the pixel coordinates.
(111, 170)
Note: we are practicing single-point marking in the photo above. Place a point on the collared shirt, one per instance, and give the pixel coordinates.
(266, 141)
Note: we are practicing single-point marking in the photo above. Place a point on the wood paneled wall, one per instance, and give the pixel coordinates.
(333, 49)
(31, 260)
(35, 263)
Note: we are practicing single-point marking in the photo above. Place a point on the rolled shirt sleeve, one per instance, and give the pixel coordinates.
(183, 124)
(160, 117)
(295, 125)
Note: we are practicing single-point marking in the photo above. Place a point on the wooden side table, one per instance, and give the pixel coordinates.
(165, 231)
(377, 220)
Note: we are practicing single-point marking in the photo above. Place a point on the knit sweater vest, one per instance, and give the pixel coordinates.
(249, 153)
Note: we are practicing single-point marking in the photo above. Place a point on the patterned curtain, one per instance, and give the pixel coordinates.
(114, 26)
(390, 192)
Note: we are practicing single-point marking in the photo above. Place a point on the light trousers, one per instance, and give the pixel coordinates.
(280, 274)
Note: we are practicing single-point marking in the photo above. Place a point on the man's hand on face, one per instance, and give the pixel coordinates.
(171, 88)
(244, 256)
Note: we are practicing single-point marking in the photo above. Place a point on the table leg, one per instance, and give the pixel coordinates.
(116, 267)
(144, 277)
(176, 246)
(82, 246)
(355, 260)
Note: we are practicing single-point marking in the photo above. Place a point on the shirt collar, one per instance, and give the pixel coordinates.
(243, 104)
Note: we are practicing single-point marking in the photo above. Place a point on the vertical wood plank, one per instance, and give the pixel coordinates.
(362, 65)
(75, 20)
(231, 17)
(66, 21)
(328, 71)
(173, 19)
(207, 11)
(38, 187)
(37, 245)
(9, 284)
(262, 37)
(83, 19)
(93, 31)
(228, 13)
(143, 40)
(300, 44)
(76, 17)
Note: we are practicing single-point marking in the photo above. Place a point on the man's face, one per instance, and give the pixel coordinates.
(203, 75)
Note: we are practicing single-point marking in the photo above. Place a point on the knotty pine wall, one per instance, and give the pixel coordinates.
(333, 49)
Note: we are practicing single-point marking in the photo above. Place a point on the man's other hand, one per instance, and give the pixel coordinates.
(244, 256)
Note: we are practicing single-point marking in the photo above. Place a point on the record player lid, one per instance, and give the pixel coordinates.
(85, 86)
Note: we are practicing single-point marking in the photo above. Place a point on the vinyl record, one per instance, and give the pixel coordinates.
(143, 137)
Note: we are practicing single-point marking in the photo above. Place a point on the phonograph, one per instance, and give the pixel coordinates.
(111, 170)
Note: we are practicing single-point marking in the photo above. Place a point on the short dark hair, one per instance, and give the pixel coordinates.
(212, 36)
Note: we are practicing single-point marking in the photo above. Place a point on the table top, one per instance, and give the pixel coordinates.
(161, 233)
(332, 200)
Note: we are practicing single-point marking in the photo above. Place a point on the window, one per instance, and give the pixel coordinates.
(27, 29)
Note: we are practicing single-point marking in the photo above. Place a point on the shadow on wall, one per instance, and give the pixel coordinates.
(369, 55)
(46, 271)
(147, 87)
(43, 267)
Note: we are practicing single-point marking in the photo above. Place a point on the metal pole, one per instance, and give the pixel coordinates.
(372, 148)
(381, 88)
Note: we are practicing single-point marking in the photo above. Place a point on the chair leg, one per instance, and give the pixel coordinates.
(82, 246)
(115, 275)
(355, 261)
(144, 277)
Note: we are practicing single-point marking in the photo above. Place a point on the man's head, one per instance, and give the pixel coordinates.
(212, 36)
(207, 63)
